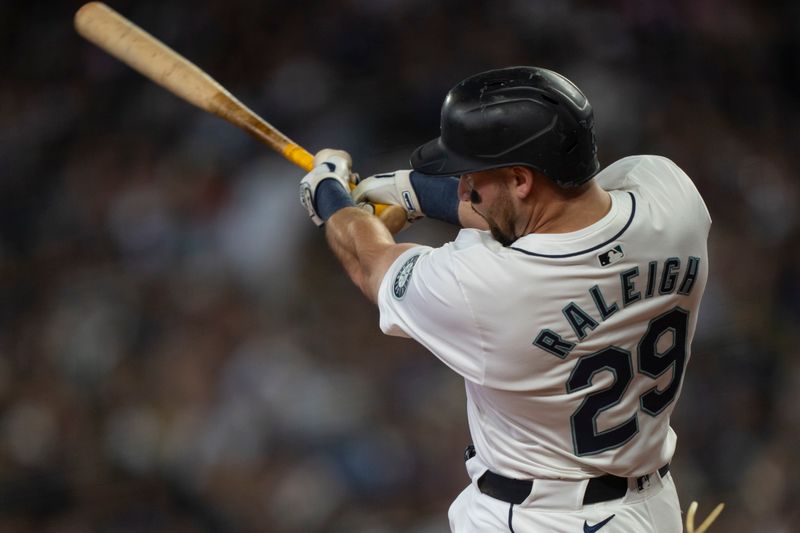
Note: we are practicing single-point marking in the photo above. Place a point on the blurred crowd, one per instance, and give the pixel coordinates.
(179, 352)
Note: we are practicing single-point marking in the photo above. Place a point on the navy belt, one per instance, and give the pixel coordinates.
(599, 489)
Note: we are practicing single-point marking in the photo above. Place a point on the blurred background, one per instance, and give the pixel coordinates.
(179, 352)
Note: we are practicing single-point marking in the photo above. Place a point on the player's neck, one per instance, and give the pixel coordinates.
(555, 212)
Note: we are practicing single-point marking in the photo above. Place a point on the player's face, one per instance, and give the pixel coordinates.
(488, 192)
(501, 217)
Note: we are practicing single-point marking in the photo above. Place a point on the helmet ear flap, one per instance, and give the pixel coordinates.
(514, 116)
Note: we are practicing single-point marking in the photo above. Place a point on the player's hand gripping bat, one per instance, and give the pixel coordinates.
(150, 57)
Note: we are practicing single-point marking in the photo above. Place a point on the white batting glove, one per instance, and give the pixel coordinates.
(392, 188)
(328, 164)
(330, 154)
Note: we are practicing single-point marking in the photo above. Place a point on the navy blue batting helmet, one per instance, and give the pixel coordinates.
(514, 116)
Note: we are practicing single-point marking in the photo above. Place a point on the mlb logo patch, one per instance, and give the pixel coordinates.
(611, 256)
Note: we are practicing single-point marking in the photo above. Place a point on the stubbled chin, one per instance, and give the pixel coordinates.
(501, 237)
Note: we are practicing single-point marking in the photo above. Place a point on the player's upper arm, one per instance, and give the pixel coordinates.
(377, 264)
(364, 246)
(421, 297)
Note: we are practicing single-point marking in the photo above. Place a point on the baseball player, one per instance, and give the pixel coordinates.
(568, 301)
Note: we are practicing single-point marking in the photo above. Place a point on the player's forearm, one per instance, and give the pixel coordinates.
(364, 246)
(420, 194)
(439, 199)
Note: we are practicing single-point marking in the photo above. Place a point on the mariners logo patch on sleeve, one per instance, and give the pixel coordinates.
(403, 278)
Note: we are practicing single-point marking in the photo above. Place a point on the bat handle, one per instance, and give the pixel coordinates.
(393, 217)
(299, 156)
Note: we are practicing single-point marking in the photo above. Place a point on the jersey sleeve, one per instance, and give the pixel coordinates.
(421, 298)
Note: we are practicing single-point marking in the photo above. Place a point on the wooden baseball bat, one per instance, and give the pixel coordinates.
(129, 43)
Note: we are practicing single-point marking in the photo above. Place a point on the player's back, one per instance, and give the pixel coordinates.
(573, 346)
(587, 334)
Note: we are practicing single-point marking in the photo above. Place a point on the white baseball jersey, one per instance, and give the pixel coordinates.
(573, 346)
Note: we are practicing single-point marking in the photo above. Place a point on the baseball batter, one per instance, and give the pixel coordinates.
(568, 302)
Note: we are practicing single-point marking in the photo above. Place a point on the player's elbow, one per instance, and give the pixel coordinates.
(371, 284)
(376, 268)
(365, 269)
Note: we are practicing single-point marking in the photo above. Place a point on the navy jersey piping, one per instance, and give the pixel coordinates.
(593, 248)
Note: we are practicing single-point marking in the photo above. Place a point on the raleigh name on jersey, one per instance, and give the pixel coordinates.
(573, 346)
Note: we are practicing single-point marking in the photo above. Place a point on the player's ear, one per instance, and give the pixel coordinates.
(522, 183)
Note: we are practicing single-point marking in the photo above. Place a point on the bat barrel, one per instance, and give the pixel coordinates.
(132, 45)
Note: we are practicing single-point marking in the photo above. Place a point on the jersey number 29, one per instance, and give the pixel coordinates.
(585, 436)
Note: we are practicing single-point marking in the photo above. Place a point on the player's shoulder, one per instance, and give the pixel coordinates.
(635, 165)
(656, 180)
(470, 247)
(467, 244)
(635, 160)
(654, 173)
(470, 237)
(473, 241)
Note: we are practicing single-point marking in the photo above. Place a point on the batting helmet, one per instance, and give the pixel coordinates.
(514, 116)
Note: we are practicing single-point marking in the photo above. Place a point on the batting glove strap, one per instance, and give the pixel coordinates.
(331, 197)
